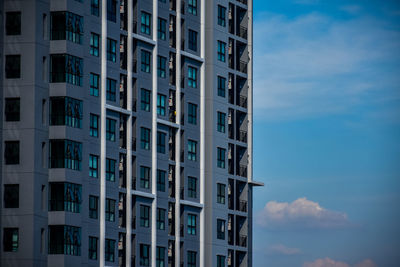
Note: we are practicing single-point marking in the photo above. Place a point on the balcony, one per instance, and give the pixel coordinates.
(244, 2)
(243, 136)
(242, 241)
(243, 205)
(242, 66)
(243, 101)
(242, 170)
(243, 32)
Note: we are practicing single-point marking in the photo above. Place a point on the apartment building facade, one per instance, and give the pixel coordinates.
(126, 133)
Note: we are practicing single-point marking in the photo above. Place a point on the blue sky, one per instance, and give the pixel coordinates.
(327, 133)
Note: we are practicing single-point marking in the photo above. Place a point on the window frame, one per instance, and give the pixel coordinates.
(110, 210)
(192, 150)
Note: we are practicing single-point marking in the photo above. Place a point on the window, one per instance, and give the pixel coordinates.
(161, 180)
(66, 26)
(93, 247)
(66, 69)
(94, 44)
(192, 150)
(11, 196)
(110, 170)
(160, 219)
(221, 193)
(220, 261)
(221, 229)
(192, 80)
(13, 23)
(111, 88)
(110, 129)
(191, 225)
(161, 67)
(111, 10)
(94, 125)
(160, 257)
(93, 166)
(221, 157)
(144, 255)
(65, 197)
(94, 7)
(144, 216)
(161, 104)
(64, 239)
(65, 154)
(162, 25)
(13, 66)
(192, 40)
(10, 239)
(93, 207)
(11, 152)
(110, 210)
(221, 122)
(221, 86)
(145, 100)
(109, 250)
(12, 109)
(145, 138)
(221, 51)
(111, 50)
(145, 23)
(145, 63)
(191, 259)
(221, 16)
(192, 7)
(192, 187)
(144, 177)
(66, 111)
(94, 84)
(192, 113)
(161, 142)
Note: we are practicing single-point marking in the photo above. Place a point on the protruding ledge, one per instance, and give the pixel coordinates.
(255, 183)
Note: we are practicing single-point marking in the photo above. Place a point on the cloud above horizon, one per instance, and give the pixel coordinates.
(280, 249)
(313, 65)
(300, 214)
(327, 262)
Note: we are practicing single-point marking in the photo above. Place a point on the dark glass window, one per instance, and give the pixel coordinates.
(13, 66)
(192, 40)
(162, 25)
(221, 229)
(160, 257)
(94, 84)
(93, 207)
(161, 180)
(11, 196)
(110, 170)
(192, 147)
(110, 210)
(221, 122)
(221, 193)
(13, 23)
(192, 7)
(144, 216)
(66, 111)
(161, 104)
(65, 154)
(221, 86)
(221, 16)
(192, 77)
(160, 219)
(94, 125)
(111, 50)
(10, 239)
(220, 261)
(93, 241)
(192, 187)
(161, 67)
(144, 177)
(111, 10)
(145, 26)
(145, 61)
(144, 255)
(221, 157)
(109, 250)
(191, 225)
(110, 129)
(94, 7)
(11, 152)
(145, 138)
(161, 142)
(65, 197)
(192, 113)
(145, 100)
(111, 89)
(94, 44)
(66, 26)
(12, 109)
(66, 69)
(93, 166)
(221, 51)
(64, 239)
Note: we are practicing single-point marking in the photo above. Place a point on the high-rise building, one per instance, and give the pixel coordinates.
(126, 133)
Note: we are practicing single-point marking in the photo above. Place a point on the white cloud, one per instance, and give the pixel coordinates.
(313, 65)
(300, 214)
(327, 262)
(282, 250)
